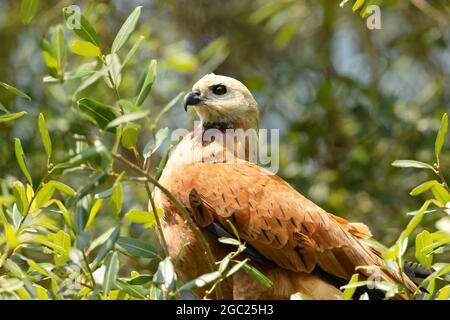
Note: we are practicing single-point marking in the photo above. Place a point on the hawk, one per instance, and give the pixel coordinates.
(294, 242)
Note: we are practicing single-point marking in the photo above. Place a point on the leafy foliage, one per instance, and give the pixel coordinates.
(73, 222)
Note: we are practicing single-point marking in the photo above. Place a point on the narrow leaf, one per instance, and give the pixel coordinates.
(112, 269)
(146, 84)
(411, 164)
(130, 117)
(441, 135)
(135, 248)
(28, 9)
(11, 116)
(20, 157)
(85, 49)
(15, 91)
(45, 136)
(126, 30)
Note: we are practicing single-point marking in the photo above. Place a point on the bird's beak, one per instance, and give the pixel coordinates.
(192, 98)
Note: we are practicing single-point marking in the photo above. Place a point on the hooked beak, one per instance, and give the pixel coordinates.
(192, 98)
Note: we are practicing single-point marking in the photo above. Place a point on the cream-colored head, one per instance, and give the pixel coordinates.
(220, 99)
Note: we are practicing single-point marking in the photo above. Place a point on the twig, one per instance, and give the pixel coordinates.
(198, 234)
(430, 11)
(91, 275)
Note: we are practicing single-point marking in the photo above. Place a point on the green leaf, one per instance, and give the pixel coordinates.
(10, 284)
(146, 83)
(414, 222)
(20, 157)
(21, 197)
(231, 241)
(349, 292)
(423, 239)
(28, 9)
(238, 266)
(440, 193)
(114, 67)
(117, 196)
(86, 155)
(411, 164)
(85, 49)
(441, 135)
(62, 187)
(129, 137)
(257, 275)
(94, 210)
(112, 269)
(135, 248)
(59, 44)
(62, 240)
(139, 216)
(126, 30)
(167, 107)
(132, 51)
(98, 113)
(358, 4)
(85, 30)
(44, 195)
(11, 116)
(144, 217)
(201, 281)
(45, 136)
(107, 246)
(444, 293)
(132, 290)
(423, 187)
(153, 145)
(130, 117)
(15, 91)
(165, 276)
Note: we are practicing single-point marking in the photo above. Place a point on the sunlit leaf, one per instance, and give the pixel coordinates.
(15, 91)
(21, 197)
(28, 9)
(201, 281)
(126, 30)
(127, 118)
(348, 292)
(112, 269)
(441, 135)
(45, 136)
(423, 187)
(85, 30)
(257, 275)
(20, 157)
(146, 83)
(411, 164)
(84, 48)
(98, 113)
(94, 210)
(11, 116)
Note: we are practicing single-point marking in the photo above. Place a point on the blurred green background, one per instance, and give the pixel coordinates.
(348, 100)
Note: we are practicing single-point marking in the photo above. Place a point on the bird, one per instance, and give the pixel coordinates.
(295, 243)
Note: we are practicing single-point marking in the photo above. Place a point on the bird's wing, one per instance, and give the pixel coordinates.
(274, 218)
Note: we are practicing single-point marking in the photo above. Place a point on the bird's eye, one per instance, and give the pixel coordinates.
(219, 89)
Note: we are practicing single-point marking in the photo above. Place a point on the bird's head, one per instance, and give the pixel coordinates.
(223, 100)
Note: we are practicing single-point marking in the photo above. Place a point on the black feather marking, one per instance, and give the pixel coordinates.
(265, 234)
(279, 222)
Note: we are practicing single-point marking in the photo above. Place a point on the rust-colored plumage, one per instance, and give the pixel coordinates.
(309, 247)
